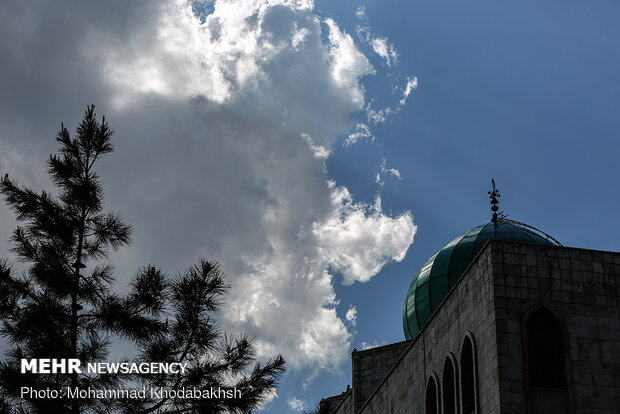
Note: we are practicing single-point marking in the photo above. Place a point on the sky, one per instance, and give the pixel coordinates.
(321, 151)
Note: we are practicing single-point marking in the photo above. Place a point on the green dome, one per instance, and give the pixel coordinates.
(441, 272)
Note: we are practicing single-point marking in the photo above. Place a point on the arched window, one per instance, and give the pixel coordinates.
(468, 376)
(544, 347)
(432, 396)
(545, 350)
(448, 386)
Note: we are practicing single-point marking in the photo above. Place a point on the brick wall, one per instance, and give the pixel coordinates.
(468, 308)
(346, 405)
(491, 302)
(582, 288)
(370, 366)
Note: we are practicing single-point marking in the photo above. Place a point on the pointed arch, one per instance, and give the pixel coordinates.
(545, 350)
(545, 361)
(449, 381)
(468, 375)
(432, 395)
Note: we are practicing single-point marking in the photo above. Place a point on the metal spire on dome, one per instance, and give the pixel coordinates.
(494, 202)
(503, 218)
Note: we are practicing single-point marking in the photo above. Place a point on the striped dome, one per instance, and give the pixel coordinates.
(440, 273)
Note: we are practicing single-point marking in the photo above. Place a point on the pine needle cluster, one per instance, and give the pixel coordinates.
(63, 304)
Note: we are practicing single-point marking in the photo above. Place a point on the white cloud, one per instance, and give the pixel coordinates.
(360, 12)
(377, 116)
(412, 83)
(319, 152)
(348, 63)
(296, 404)
(386, 51)
(378, 179)
(358, 240)
(351, 315)
(269, 398)
(223, 127)
(361, 132)
(380, 45)
(383, 168)
(299, 36)
(395, 173)
(380, 116)
(372, 344)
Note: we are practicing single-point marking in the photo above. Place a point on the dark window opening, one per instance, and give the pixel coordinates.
(545, 350)
(449, 387)
(468, 377)
(432, 407)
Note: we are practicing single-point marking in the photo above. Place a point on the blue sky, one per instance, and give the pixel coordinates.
(236, 141)
(525, 92)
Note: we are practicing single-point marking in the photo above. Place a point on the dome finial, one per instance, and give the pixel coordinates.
(494, 194)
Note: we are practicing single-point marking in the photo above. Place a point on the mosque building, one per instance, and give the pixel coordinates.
(503, 319)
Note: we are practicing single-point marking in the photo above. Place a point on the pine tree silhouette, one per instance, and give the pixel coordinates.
(63, 304)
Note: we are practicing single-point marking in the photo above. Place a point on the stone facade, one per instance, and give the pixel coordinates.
(346, 405)
(489, 307)
(370, 366)
(582, 288)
